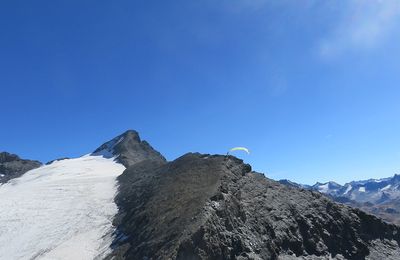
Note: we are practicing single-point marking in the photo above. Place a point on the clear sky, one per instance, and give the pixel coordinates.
(312, 88)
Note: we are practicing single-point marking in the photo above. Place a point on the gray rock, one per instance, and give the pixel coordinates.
(11, 166)
(129, 149)
(59, 159)
(215, 207)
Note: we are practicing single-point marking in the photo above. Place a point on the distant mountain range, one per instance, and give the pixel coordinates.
(380, 197)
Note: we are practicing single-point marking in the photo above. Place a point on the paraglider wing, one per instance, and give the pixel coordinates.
(239, 149)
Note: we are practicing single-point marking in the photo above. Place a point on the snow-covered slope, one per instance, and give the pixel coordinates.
(60, 211)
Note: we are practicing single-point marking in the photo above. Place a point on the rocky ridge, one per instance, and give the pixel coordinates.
(214, 207)
(12, 166)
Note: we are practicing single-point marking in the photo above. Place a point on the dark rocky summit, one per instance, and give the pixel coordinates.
(215, 207)
(11, 166)
(128, 149)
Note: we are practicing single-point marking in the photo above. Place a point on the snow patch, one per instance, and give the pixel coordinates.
(106, 153)
(361, 189)
(324, 188)
(386, 187)
(108, 148)
(348, 189)
(60, 211)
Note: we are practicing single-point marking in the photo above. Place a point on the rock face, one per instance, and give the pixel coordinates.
(128, 149)
(215, 207)
(11, 166)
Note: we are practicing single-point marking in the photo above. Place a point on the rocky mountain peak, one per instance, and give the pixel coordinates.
(132, 135)
(8, 157)
(128, 149)
(396, 177)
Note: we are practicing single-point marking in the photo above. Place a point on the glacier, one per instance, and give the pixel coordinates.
(60, 211)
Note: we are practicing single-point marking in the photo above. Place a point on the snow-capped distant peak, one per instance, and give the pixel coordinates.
(330, 188)
(324, 188)
(372, 190)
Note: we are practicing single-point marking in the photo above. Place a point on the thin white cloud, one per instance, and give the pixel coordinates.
(365, 25)
(357, 25)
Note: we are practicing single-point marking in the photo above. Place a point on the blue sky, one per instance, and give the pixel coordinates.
(310, 87)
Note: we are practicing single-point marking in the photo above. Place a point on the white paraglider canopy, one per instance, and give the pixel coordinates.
(239, 149)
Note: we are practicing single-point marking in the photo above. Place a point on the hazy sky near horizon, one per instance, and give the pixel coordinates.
(310, 87)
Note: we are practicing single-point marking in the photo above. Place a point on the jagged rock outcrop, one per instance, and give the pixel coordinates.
(129, 149)
(11, 166)
(215, 207)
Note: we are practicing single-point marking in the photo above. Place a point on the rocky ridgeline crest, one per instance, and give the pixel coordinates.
(214, 207)
(11, 166)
